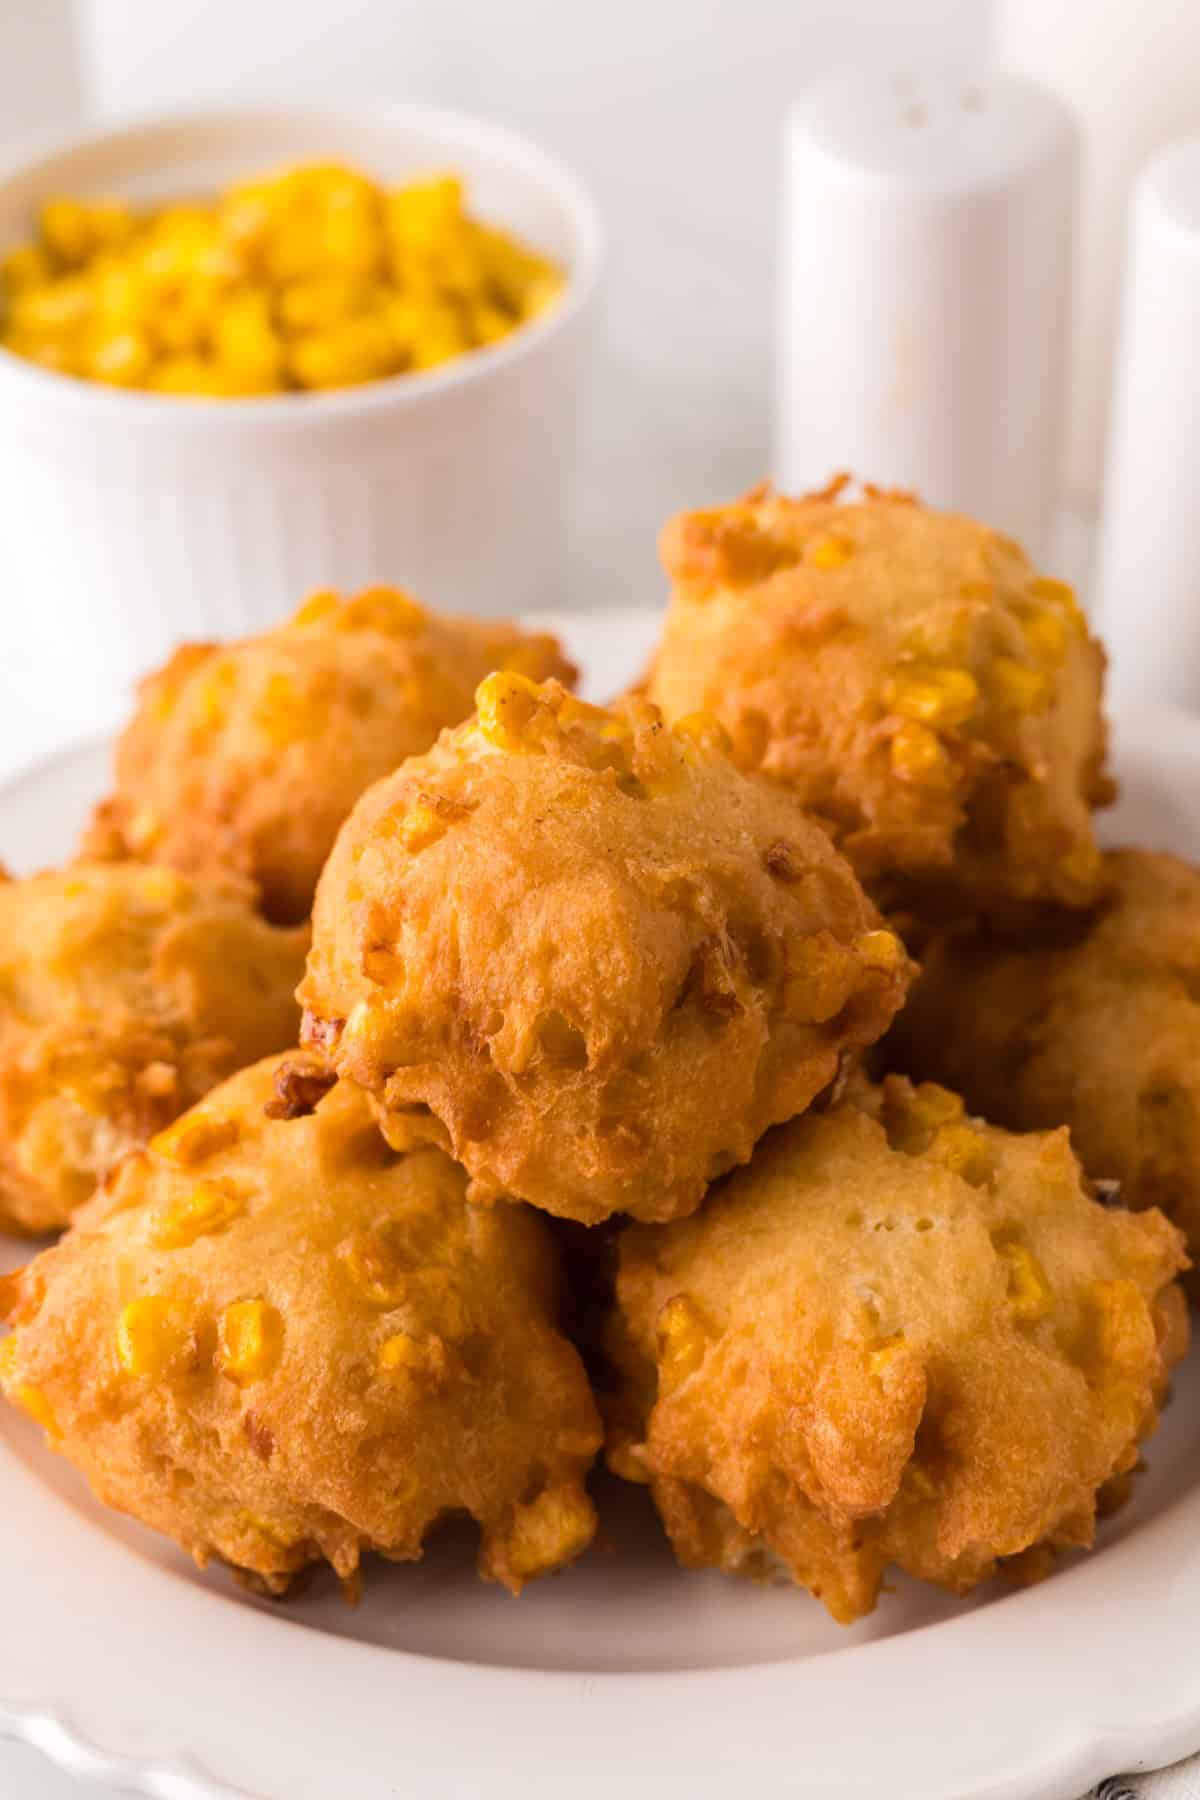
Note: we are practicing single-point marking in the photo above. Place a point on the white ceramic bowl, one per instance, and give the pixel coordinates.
(132, 521)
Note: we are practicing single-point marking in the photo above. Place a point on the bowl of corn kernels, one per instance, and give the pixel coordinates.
(245, 354)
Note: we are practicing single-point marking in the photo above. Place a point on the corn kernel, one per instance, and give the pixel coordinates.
(404, 1354)
(550, 1531)
(966, 1152)
(54, 311)
(193, 375)
(317, 608)
(410, 320)
(935, 1105)
(183, 244)
(891, 1351)
(162, 888)
(830, 552)
(940, 697)
(211, 695)
(401, 1352)
(24, 268)
(1119, 1322)
(441, 342)
(506, 706)
(194, 1138)
(682, 1341)
(145, 828)
(34, 1404)
(417, 827)
(914, 1116)
(1029, 1292)
(275, 1536)
(541, 293)
(245, 339)
(154, 1337)
(881, 950)
(121, 361)
(488, 322)
(25, 1394)
(180, 326)
(66, 231)
(419, 215)
(249, 1341)
(346, 354)
(1018, 687)
(422, 823)
(624, 1461)
(1059, 593)
(574, 711)
(378, 1268)
(351, 242)
(1047, 634)
(283, 715)
(705, 732)
(821, 972)
(208, 1208)
(916, 752)
(324, 299)
(122, 299)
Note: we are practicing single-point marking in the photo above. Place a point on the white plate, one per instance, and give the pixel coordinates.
(122, 1661)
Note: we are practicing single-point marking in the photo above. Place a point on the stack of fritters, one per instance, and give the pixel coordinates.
(631, 965)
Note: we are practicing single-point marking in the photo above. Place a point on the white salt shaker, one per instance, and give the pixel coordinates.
(1148, 586)
(924, 254)
(1129, 74)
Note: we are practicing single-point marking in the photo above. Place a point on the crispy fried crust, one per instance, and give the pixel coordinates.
(589, 957)
(278, 1341)
(125, 994)
(247, 757)
(899, 1336)
(1095, 1026)
(910, 678)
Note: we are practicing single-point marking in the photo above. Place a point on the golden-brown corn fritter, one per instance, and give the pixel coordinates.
(278, 1341)
(246, 757)
(910, 677)
(899, 1336)
(1091, 1023)
(125, 994)
(589, 957)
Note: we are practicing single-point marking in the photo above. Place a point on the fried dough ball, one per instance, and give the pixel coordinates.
(1094, 1024)
(910, 677)
(125, 994)
(247, 757)
(899, 1336)
(588, 957)
(279, 1342)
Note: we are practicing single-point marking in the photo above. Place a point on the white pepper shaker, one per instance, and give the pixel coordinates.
(924, 255)
(1129, 74)
(1148, 586)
